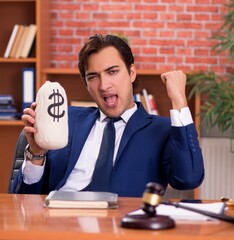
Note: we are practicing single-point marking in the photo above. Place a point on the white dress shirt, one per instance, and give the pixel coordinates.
(82, 173)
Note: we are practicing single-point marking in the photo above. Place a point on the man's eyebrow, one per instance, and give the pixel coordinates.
(109, 68)
(91, 74)
(105, 70)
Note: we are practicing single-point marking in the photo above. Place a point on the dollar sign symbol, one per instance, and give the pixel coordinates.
(53, 109)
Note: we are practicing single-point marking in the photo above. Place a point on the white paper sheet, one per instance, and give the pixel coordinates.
(179, 214)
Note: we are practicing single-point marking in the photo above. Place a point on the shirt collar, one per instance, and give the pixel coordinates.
(125, 116)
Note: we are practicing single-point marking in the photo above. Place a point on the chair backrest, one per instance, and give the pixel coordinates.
(18, 157)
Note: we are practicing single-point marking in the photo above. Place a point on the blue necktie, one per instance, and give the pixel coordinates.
(104, 164)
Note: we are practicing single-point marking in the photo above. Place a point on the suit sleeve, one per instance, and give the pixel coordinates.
(18, 185)
(183, 158)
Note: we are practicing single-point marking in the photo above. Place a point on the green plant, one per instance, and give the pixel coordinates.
(217, 92)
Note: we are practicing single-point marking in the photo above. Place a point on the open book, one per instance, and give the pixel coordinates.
(63, 199)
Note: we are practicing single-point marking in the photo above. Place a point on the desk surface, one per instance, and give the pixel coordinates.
(24, 217)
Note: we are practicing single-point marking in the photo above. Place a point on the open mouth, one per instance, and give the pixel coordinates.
(111, 101)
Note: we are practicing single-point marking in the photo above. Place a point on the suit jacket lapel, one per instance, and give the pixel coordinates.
(138, 120)
(82, 129)
(83, 126)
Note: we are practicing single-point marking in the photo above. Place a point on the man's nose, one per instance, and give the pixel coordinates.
(105, 82)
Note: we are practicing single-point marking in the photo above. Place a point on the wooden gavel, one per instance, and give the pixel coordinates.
(152, 197)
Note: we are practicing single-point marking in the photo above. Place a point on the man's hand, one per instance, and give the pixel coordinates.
(28, 119)
(175, 82)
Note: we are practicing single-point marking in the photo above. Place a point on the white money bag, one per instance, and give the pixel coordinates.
(51, 116)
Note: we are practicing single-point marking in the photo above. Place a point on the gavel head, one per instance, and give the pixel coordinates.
(152, 198)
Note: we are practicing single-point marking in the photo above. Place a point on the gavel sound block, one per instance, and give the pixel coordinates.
(149, 220)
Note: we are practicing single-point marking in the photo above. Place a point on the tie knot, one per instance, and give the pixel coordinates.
(115, 119)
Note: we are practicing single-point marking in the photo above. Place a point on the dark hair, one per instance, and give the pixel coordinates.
(97, 42)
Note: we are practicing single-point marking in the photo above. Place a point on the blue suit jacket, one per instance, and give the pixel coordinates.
(150, 151)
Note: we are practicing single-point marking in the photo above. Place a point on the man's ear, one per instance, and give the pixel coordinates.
(133, 72)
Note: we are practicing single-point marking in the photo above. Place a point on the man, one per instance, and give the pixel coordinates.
(148, 148)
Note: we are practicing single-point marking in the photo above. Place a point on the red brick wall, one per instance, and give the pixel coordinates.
(164, 34)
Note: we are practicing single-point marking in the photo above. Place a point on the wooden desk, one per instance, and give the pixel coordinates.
(24, 217)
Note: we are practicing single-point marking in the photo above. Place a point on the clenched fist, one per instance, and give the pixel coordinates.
(175, 82)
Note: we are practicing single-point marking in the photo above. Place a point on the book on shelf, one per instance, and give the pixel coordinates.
(9, 116)
(11, 40)
(21, 42)
(28, 80)
(8, 110)
(29, 39)
(16, 41)
(147, 104)
(147, 100)
(152, 104)
(143, 102)
(83, 103)
(85, 199)
(6, 99)
(137, 97)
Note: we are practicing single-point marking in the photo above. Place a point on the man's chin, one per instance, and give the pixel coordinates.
(111, 112)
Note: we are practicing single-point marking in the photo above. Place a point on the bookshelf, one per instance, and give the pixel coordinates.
(24, 12)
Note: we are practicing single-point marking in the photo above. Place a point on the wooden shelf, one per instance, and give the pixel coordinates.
(17, 0)
(60, 71)
(22, 12)
(18, 60)
(76, 71)
(11, 123)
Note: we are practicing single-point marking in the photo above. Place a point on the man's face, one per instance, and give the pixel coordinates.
(109, 82)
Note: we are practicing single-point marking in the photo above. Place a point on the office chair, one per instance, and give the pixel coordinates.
(18, 156)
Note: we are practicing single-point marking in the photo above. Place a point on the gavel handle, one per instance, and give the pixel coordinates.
(206, 213)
